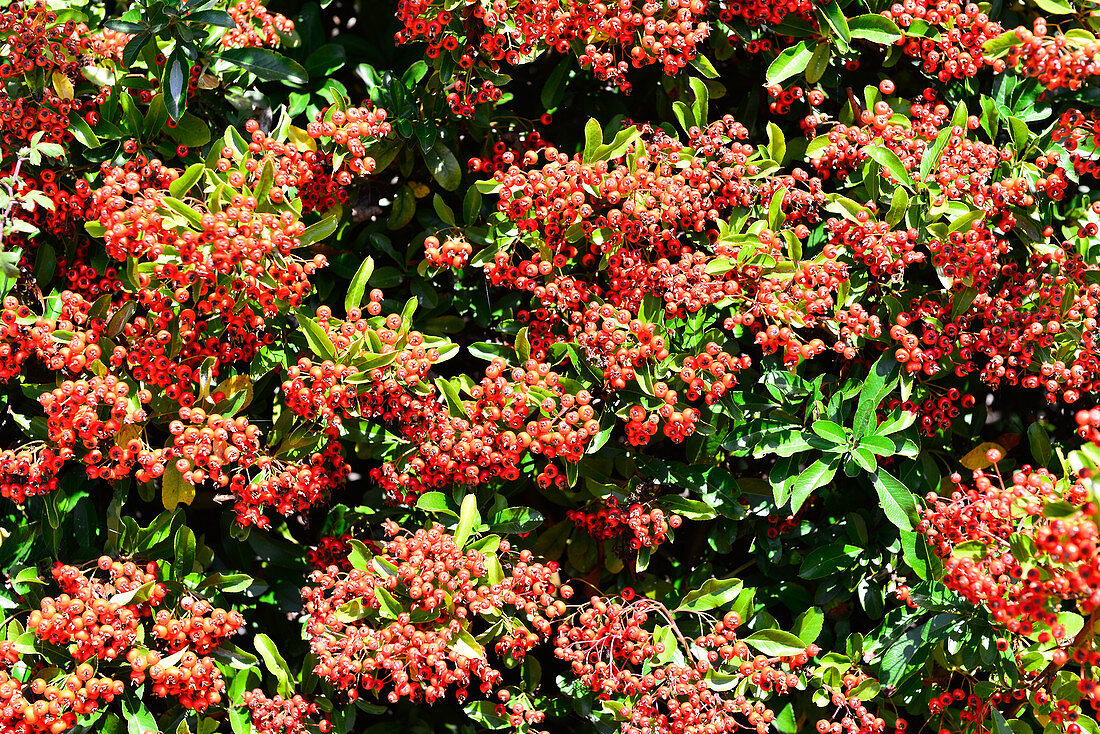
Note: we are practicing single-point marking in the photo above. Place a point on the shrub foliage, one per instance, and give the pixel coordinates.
(664, 367)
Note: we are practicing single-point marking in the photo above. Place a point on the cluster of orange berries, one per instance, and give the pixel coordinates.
(516, 411)
(613, 652)
(73, 420)
(885, 252)
(1026, 585)
(977, 711)
(1088, 424)
(852, 716)
(278, 715)
(1078, 131)
(317, 178)
(762, 12)
(1057, 60)
(34, 41)
(616, 36)
(515, 146)
(418, 597)
(452, 253)
(647, 527)
(85, 620)
(935, 412)
(331, 550)
(256, 26)
(40, 707)
(103, 616)
(957, 52)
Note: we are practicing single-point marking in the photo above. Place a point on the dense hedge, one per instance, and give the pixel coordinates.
(667, 367)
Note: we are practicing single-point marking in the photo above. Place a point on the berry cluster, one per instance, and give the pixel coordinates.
(280, 715)
(852, 716)
(452, 253)
(1057, 60)
(1053, 558)
(402, 623)
(613, 652)
(647, 527)
(610, 38)
(256, 26)
(107, 619)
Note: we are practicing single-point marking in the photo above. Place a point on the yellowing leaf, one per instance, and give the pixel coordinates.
(977, 458)
(231, 388)
(127, 433)
(175, 489)
(301, 139)
(419, 190)
(62, 86)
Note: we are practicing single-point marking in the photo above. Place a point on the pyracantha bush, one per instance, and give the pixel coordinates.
(655, 366)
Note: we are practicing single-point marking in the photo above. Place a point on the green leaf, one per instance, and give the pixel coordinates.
(184, 546)
(1039, 441)
(133, 48)
(318, 340)
(814, 476)
(1000, 726)
(835, 16)
(190, 131)
(522, 346)
(435, 502)
(593, 139)
(702, 100)
(358, 284)
(704, 66)
(275, 663)
(898, 207)
(828, 560)
(712, 594)
(897, 502)
(691, 509)
(809, 624)
(443, 165)
(212, 17)
(1055, 7)
(818, 63)
(266, 64)
(830, 431)
(485, 714)
(83, 132)
(791, 61)
(932, 155)
(174, 489)
(468, 519)
(177, 206)
(443, 211)
(471, 205)
(516, 520)
(865, 458)
(404, 208)
(875, 28)
(777, 144)
(389, 607)
(318, 231)
(177, 72)
(876, 386)
(774, 643)
(554, 88)
(187, 179)
(139, 720)
(895, 661)
(889, 160)
(360, 555)
(963, 223)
